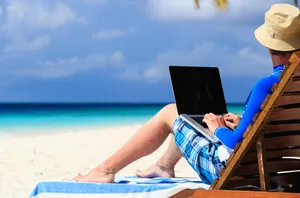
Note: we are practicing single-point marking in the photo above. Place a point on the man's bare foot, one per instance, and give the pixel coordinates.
(96, 176)
(156, 171)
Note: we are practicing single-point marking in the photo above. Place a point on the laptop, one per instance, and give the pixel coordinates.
(198, 91)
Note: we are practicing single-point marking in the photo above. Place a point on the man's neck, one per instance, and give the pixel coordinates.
(278, 60)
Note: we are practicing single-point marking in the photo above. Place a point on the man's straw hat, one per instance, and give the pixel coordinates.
(281, 30)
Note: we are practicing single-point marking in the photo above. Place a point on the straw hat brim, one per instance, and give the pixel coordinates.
(291, 44)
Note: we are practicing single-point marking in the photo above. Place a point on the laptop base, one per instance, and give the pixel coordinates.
(199, 127)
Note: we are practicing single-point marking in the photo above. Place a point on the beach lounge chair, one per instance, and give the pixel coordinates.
(267, 157)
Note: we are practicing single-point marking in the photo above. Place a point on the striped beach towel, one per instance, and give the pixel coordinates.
(123, 187)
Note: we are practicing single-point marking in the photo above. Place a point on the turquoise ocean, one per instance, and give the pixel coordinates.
(41, 115)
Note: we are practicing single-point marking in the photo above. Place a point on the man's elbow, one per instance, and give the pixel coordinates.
(234, 141)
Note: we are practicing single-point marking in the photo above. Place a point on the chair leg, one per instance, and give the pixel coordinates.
(261, 158)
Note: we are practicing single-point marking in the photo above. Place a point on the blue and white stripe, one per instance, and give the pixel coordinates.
(124, 187)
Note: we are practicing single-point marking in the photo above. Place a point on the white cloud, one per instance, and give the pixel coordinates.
(255, 59)
(242, 33)
(26, 21)
(158, 69)
(67, 67)
(169, 10)
(112, 34)
(34, 14)
(117, 58)
(245, 62)
(29, 45)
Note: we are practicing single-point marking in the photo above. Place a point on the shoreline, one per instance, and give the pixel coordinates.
(36, 130)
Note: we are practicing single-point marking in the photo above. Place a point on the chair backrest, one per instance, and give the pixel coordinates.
(270, 151)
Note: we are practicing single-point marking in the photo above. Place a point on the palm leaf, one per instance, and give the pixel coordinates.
(196, 2)
(222, 4)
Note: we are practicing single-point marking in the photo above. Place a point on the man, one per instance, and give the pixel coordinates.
(281, 35)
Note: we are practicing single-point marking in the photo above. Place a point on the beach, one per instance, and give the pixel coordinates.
(54, 142)
(33, 155)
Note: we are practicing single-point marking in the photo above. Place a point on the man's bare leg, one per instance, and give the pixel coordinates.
(165, 165)
(149, 138)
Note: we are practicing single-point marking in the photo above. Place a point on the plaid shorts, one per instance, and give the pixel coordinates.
(201, 154)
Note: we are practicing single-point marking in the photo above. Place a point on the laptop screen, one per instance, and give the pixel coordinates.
(198, 90)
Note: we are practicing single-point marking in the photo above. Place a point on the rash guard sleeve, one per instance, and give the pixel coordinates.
(259, 92)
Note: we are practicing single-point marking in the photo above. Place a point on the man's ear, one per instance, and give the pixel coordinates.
(286, 61)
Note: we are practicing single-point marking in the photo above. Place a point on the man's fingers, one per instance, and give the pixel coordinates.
(228, 119)
(232, 115)
(213, 116)
(207, 116)
(228, 116)
(205, 120)
(229, 124)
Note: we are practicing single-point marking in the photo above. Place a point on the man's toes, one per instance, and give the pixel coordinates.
(148, 173)
(139, 173)
(78, 177)
(142, 174)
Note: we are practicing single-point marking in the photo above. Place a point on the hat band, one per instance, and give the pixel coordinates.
(276, 35)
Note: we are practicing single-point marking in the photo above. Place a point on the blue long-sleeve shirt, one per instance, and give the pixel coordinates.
(255, 99)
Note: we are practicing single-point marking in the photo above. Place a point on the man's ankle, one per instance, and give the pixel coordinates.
(105, 169)
(164, 166)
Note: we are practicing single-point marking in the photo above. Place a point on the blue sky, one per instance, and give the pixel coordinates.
(120, 50)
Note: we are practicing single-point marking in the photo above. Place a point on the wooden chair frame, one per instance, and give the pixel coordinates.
(255, 135)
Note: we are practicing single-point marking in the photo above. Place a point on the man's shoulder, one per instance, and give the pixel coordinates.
(267, 82)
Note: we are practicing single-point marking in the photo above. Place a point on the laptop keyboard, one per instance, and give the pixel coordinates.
(199, 120)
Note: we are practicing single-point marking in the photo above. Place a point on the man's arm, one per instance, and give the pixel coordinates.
(261, 89)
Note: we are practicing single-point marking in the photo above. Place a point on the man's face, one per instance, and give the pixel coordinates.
(280, 58)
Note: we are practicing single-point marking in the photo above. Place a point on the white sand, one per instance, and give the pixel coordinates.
(59, 154)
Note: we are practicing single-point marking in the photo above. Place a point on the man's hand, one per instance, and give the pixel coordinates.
(232, 120)
(213, 121)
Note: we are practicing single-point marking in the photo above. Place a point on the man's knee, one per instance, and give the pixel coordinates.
(170, 108)
(169, 113)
